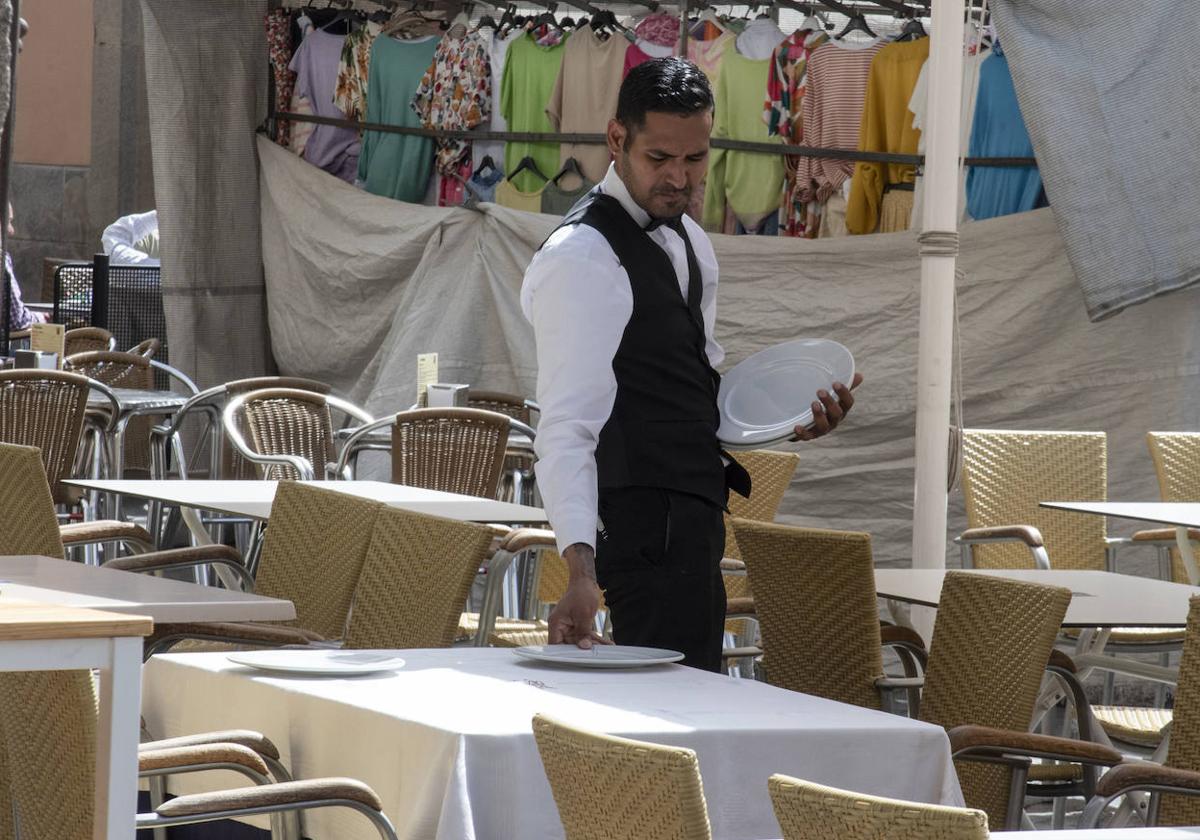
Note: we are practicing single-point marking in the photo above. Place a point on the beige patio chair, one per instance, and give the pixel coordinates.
(517, 475)
(514, 406)
(610, 788)
(290, 431)
(808, 811)
(1174, 785)
(415, 579)
(87, 339)
(45, 409)
(122, 370)
(313, 553)
(147, 348)
(49, 731)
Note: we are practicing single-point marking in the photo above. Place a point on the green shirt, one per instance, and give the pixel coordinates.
(396, 165)
(752, 183)
(530, 72)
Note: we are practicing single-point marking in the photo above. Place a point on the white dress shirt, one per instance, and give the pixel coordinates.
(126, 240)
(579, 300)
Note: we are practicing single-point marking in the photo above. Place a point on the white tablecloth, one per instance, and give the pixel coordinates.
(446, 741)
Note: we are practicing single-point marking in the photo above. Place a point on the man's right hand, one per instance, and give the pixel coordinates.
(573, 619)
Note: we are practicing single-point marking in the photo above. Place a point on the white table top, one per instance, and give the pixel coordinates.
(253, 498)
(1107, 834)
(131, 399)
(1100, 599)
(446, 740)
(1185, 514)
(52, 581)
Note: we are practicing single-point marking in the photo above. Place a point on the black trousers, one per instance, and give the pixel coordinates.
(658, 561)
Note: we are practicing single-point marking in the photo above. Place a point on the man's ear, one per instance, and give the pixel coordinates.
(616, 134)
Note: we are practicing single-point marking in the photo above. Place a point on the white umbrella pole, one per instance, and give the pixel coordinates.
(935, 343)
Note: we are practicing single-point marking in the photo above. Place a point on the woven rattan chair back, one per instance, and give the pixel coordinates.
(45, 409)
(808, 811)
(507, 404)
(122, 370)
(233, 465)
(313, 553)
(770, 475)
(87, 340)
(1183, 751)
(991, 641)
(456, 450)
(147, 347)
(415, 580)
(1176, 457)
(49, 738)
(609, 788)
(814, 593)
(288, 421)
(28, 524)
(1006, 475)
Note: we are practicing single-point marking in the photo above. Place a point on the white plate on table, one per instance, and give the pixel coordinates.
(765, 397)
(318, 663)
(600, 656)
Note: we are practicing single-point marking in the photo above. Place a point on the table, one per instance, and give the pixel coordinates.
(52, 581)
(1106, 834)
(46, 637)
(1181, 515)
(446, 741)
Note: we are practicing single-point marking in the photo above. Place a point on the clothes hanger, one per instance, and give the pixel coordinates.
(485, 164)
(571, 167)
(858, 21)
(912, 30)
(527, 163)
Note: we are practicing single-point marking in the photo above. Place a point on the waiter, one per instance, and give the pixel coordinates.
(622, 298)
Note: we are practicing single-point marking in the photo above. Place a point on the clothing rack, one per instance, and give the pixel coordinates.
(600, 139)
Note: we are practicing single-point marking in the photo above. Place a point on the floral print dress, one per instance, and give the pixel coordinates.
(455, 94)
(279, 44)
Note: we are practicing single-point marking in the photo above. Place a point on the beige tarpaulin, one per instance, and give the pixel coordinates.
(358, 285)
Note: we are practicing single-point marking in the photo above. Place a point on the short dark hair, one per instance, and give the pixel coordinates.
(666, 85)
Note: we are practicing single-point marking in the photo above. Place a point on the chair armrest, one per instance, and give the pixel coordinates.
(894, 634)
(1163, 535)
(748, 652)
(731, 566)
(186, 558)
(1144, 775)
(229, 632)
(248, 738)
(1027, 534)
(899, 683)
(523, 539)
(199, 756)
(106, 530)
(740, 606)
(969, 740)
(1058, 659)
(272, 796)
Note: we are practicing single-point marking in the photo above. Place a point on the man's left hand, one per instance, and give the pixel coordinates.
(829, 410)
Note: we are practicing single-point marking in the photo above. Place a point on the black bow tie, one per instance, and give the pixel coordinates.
(675, 223)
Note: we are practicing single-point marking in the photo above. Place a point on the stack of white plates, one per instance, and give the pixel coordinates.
(765, 397)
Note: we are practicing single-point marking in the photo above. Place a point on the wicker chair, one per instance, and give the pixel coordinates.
(1180, 772)
(87, 340)
(313, 554)
(518, 408)
(415, 579)
(1176, 457)
(609, 788)
(147, 348)
(46, 409)
(808, 811)
(291, 432)
(49, 733)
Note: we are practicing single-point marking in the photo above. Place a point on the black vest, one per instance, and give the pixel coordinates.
(663, 428)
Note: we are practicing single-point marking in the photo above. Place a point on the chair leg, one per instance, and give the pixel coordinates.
(158, 795)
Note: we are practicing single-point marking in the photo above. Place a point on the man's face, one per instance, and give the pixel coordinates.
(663, 162)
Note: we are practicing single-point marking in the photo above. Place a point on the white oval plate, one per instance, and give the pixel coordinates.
(766, 396)
(600, 656)
(318, 663)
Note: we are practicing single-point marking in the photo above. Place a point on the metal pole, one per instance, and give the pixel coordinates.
(6, 144)
(935, 342)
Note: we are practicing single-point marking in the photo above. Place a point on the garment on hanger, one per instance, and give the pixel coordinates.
(452, 190)
(301, 131)
(918, 104)
(557, 201)
(332, 148)
(759, 39)
(483, 183)
(751, 183)
(886, 127)
(832, 114)
(585, 96)
(641, 52)
(278, 25)
(895, 211)
(497, 53)
(658, 28)
(530, 72)
(707, 54)
(354, 69)
(786, 85)
(455, 94)
(508, 195)
(396, 165)
(999, 131)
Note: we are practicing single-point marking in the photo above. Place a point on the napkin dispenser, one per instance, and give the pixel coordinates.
(35, 359)
(446, 395)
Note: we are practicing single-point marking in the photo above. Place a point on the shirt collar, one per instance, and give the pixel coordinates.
(612, 185)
